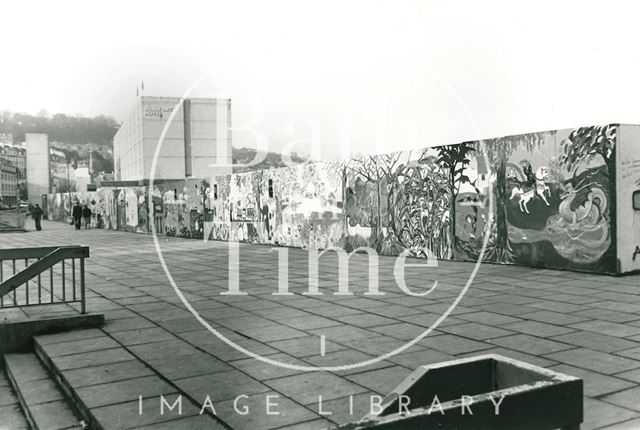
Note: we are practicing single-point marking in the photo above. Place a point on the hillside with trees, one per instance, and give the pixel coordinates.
(74, 130)
(77, 136)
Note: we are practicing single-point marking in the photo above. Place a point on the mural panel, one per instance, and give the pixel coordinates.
(558, 210)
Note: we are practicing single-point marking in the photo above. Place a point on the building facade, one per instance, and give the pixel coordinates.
(16, 155)
(196, 140)
(8, 183)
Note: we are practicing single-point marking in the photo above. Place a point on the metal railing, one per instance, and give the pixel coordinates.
(42, 276)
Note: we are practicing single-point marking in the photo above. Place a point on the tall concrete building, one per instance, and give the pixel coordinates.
(38, 178)
(197, 143)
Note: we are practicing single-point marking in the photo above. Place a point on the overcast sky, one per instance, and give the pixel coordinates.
(368, 76)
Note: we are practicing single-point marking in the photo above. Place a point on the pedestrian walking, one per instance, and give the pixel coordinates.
(36, 214)
(86, 214)
(77, 214)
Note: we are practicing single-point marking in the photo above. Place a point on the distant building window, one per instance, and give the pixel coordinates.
(215, 191)
(271, 188)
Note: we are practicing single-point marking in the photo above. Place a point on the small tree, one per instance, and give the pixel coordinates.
(587, 142)
(337, 172)
(370, 169)
(498, 152)
(454, 159)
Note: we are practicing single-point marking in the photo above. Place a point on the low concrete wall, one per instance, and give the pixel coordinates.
(18, 335)
(11, 220)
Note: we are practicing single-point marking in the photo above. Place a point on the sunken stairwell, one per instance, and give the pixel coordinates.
(10, 410)
(87, 380)
(41, 399)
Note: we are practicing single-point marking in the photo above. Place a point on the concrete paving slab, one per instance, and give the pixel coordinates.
(186, 423)
(308, 387)
(530, 344)
(264, 411)
(89, 359)
(25, 367)
(380, 380)
(596, 341)
(112, 372)
(94, 343)
(629, 398)
(110, 393)
(13, 418)
(150, 411)
(599, 414)
(595, 360)
(345, 410)
(595, 384)
(220, 386)
(478, 331)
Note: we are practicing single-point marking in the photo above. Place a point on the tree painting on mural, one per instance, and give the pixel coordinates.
(589, 153)
(338, 173)
(369, 170)
(497, 152)
(453, 159)
(287, 189)
(224, 191)
(469, 182)
(419, 208)
(366, 203)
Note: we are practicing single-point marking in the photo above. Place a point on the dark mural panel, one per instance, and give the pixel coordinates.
(552, 193)
(561, 201)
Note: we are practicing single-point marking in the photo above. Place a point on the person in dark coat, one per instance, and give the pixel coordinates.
(86, 214)
(36, 214)
(77, 214)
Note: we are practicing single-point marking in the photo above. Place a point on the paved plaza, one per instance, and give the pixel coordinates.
(584, 325)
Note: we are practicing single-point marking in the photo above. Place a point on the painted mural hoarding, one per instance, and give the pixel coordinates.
(554, 202)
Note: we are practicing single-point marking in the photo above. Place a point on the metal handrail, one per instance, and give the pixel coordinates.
(46, 258)
(39, 252)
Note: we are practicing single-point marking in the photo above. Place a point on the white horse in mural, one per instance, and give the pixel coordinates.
(524, 197)
(540, 188)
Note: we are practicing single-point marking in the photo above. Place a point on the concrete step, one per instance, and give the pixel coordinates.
(11, 413)
(42, 401)
(104, 380)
